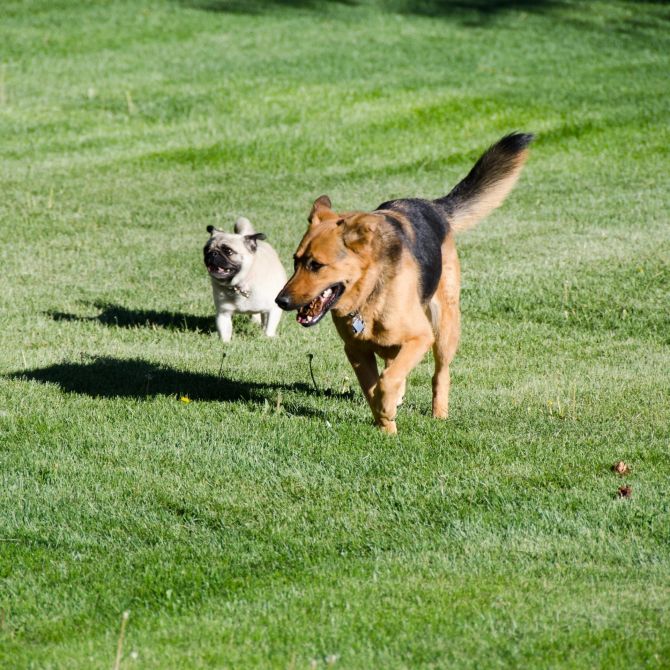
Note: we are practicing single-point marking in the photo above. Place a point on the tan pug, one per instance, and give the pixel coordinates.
(246, 275)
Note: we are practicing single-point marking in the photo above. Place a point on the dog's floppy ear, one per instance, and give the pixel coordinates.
(243, 226)
(251, 241)
(358, 231)
(320, 207)
(210, 229)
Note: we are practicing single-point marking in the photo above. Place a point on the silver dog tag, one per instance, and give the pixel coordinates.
(357, 324)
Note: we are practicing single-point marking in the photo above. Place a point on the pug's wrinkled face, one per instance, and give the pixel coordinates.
(228, 255)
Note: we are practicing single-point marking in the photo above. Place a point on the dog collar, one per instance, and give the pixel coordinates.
(240, 291)
(357, 323)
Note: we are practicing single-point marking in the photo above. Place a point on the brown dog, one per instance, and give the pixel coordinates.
(391, 278)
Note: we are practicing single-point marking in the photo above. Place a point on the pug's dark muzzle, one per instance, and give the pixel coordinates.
(219, 265)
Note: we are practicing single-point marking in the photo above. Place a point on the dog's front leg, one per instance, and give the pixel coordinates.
(364, 364)
(401, 392)
(224, 324)
(388, 392)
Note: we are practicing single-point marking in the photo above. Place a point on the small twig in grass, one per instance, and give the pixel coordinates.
(119, 646)
(223, 355)
(311, 372)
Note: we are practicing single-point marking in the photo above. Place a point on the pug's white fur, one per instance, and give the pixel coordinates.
(253, 287)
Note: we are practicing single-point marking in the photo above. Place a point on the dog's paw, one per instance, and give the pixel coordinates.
(387, 427)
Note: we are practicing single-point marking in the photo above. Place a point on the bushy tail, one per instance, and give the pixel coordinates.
(487, 184)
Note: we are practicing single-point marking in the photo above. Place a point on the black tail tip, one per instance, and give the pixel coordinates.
(515, 142)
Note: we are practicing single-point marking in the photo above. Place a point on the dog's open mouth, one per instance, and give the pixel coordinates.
(220, 273)
(311, 313)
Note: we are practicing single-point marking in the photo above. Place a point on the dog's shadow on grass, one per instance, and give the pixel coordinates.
(422, 7)
(107, 377)
(123, 317)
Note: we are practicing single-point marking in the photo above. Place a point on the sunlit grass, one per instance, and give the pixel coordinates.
(243, 517)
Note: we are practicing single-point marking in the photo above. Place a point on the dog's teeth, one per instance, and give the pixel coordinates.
(327, 293)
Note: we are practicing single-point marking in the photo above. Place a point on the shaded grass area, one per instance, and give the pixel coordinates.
(265, 523)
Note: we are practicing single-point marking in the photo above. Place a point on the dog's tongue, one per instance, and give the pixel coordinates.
(313, 309)
(310, 311)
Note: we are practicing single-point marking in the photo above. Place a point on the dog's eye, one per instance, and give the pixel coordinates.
(227, 250)
(313, 266)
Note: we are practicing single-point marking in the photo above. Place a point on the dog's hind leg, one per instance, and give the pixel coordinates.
(259, 319)
(446, 319)
(271, 321)
(444, 349)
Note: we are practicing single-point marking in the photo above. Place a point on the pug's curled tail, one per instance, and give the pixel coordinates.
(243, 226)
(487, 184)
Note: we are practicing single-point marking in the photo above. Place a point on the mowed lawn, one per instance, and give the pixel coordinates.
(245, 518)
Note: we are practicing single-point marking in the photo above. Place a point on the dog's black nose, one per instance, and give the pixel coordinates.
(283, 301)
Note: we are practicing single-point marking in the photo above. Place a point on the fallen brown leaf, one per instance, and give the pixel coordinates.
(625, 491)
(621, 468)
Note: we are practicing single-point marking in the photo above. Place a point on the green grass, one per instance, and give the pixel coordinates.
(266, 525)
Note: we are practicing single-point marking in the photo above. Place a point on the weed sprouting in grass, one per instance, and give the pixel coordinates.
(310, 358)
(130, 105)
(223, 358)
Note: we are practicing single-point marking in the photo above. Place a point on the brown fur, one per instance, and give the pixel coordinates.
(381, 278)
